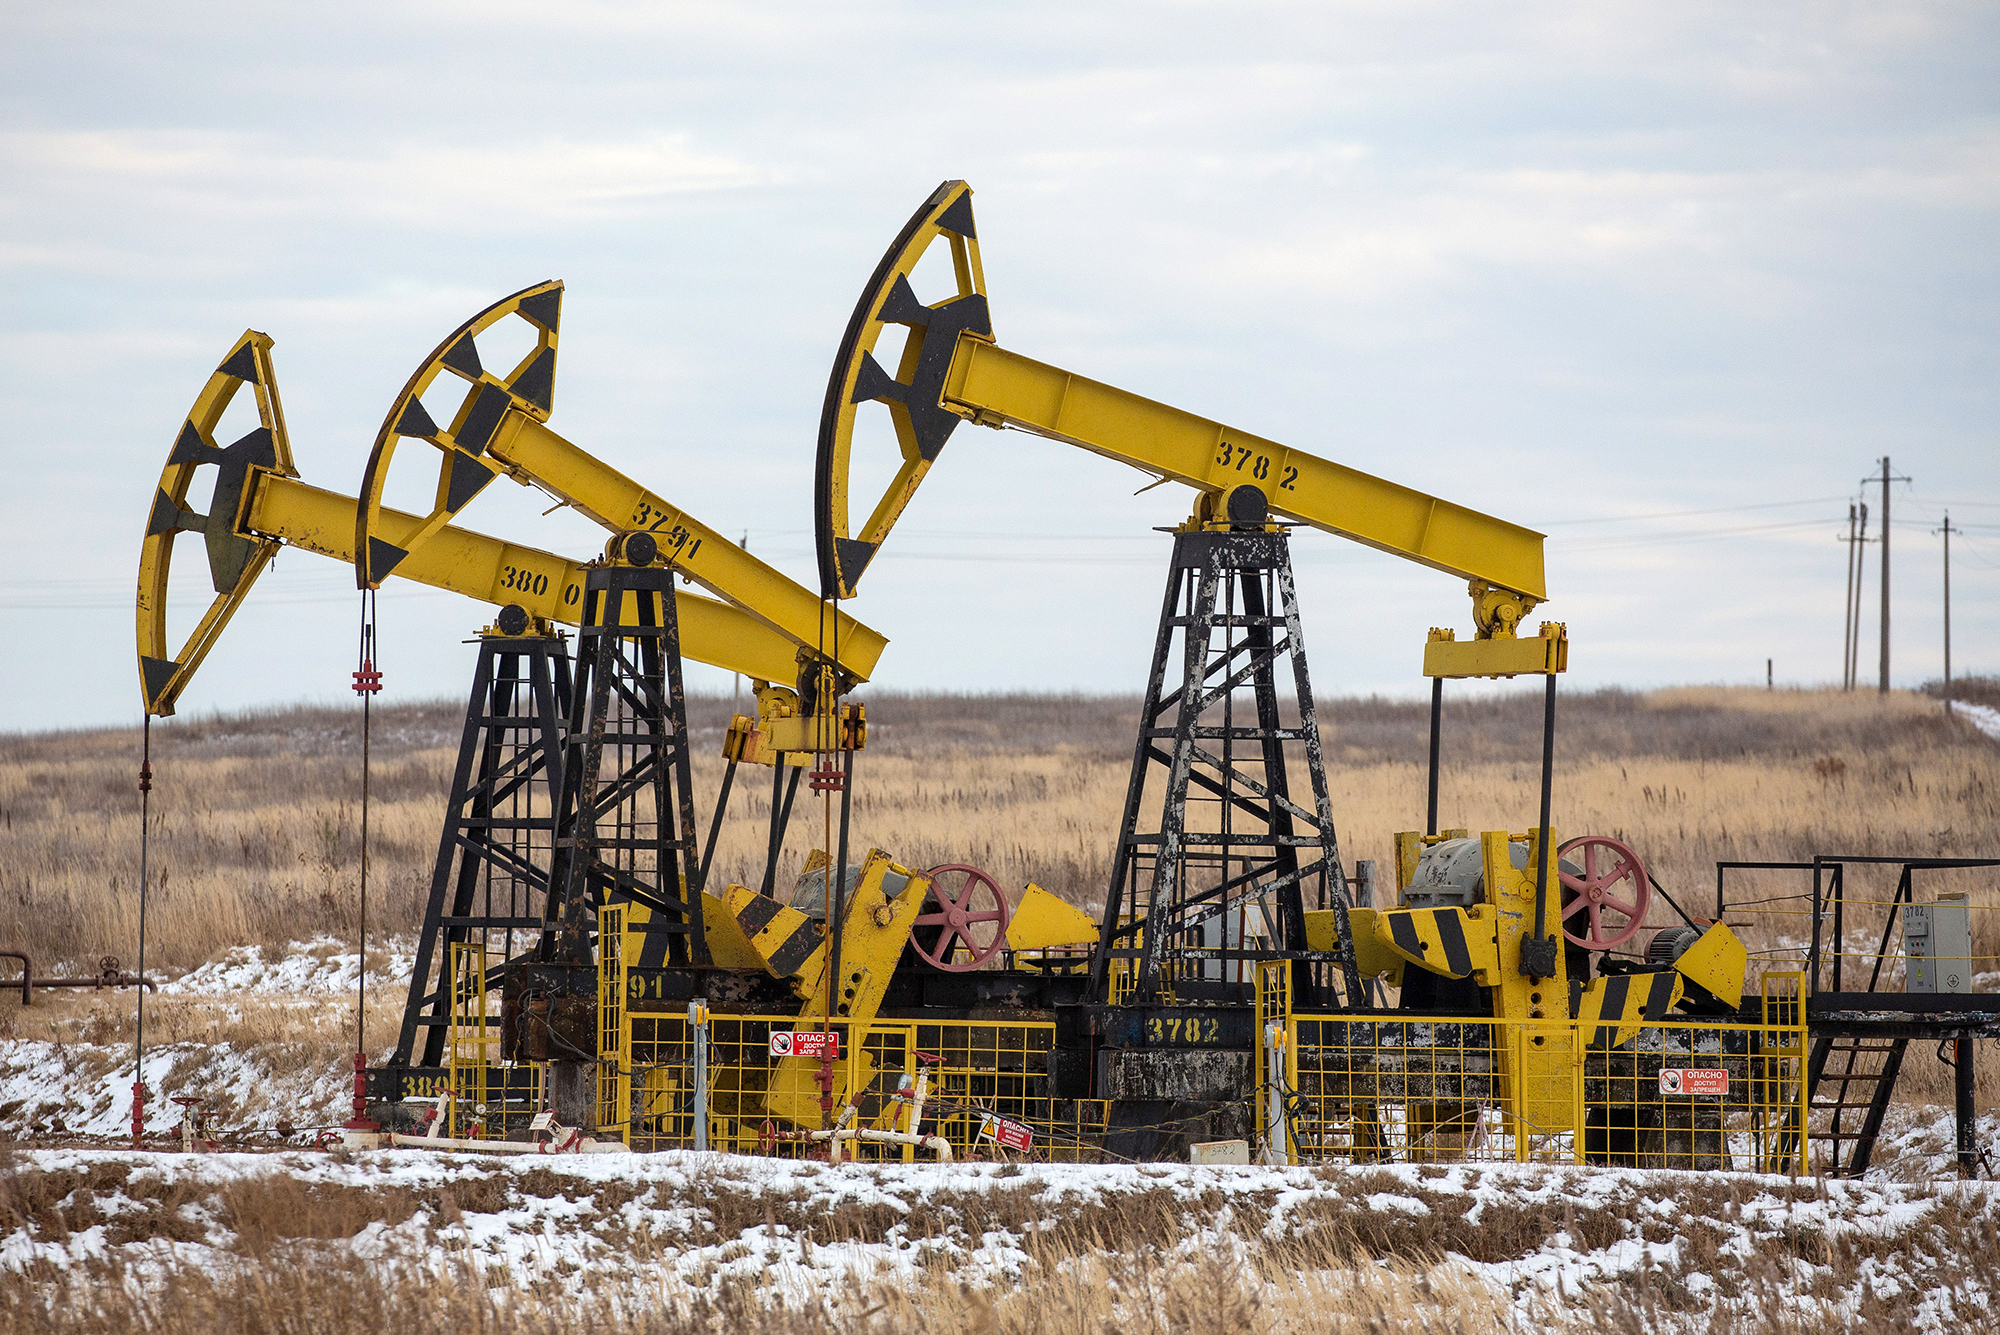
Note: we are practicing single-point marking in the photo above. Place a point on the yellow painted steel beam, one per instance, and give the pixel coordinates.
(996, 387)
(705, 556)
(496, 571)
(499, 428)
(951, 369)
(1447, 656)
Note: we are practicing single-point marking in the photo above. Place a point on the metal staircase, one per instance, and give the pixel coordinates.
(1863, 1084)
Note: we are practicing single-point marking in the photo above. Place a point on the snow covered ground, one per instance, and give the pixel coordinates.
(319, 968)
(795, 1233)
(1983, 717)
(260, 1037)
(1528, 1239)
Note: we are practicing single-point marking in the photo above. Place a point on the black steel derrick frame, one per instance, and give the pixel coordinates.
(650, 751)
(528, 684)
(506, 767)
(1208, 572)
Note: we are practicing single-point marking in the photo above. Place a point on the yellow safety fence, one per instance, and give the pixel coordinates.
(1684, 1093)
(983, 1069)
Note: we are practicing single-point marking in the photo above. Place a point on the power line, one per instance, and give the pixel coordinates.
(1693, 535)
(1688, 514)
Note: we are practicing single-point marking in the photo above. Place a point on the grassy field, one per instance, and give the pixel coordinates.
(256, 816)
(254, 843)
(107, 1241)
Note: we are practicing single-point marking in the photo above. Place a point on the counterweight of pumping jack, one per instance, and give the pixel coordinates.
(1259, 465)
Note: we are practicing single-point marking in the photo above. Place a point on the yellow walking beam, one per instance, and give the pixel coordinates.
(259, 506)
(951, 370)
(500, 428)
(995, 387)
(493, 570)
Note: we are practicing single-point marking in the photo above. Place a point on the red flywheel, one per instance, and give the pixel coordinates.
(964, 919)
(1613, 881)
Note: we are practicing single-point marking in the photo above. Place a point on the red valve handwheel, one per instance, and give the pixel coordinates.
(1606, 862)
(953, 920)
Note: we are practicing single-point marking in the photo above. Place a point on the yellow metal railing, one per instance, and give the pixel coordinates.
(471, 1038)
(1274, 1063)
(982, 1068)
(1686, 1093)
(614, 1088)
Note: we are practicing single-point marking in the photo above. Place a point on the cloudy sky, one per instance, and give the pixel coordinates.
(1663, 281)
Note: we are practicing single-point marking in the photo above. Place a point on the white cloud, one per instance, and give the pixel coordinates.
(1581, 259)
(466, 187)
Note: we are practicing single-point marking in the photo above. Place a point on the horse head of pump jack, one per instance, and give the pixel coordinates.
(913, 395)
(492, 406)
(235, 559)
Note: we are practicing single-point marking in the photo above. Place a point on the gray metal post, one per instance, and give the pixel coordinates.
(1847, 609)
(1886, 479)
(1861, 542)
(698, 1034)
(1947, 531)
(1274, 1069)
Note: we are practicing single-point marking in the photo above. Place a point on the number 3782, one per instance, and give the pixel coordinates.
(1246, 460)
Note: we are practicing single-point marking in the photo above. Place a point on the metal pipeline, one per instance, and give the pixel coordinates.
(111, 976)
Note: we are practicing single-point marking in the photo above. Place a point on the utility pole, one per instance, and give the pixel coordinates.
(1847, 609)
(1947, 530)
(1770, 681)
(1885, 479)
(1861, 541)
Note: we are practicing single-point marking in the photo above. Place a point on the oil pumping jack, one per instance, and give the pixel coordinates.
(1474, 916)
(572, 787)
(571, 805)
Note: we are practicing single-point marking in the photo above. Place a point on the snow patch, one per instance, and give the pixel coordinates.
(552, 1237)
(1983, 717)
(321, 967)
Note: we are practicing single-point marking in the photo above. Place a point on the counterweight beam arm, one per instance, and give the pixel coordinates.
(705, 556)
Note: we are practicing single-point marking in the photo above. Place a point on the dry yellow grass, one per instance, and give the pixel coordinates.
(297, 1246)
(256, 816)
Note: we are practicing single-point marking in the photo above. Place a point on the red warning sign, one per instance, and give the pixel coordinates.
(1700, 1082)
(813, 1043)
(1010, 1134)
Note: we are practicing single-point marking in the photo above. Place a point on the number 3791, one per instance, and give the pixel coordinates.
(1246, 460)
